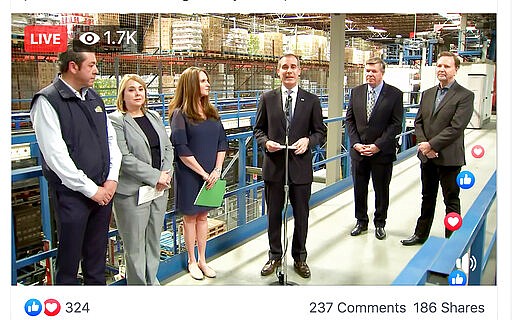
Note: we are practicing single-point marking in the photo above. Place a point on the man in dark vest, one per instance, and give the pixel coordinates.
(81, 161)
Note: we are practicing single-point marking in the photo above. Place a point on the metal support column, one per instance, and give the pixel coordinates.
(335, 85)
(462, 33)
(241, 197)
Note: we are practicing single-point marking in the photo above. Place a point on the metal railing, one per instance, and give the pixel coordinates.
(437, 257)
(247, 188)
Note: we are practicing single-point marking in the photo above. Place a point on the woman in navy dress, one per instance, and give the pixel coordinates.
(200, 146)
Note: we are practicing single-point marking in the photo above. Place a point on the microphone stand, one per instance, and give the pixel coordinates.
(282, 272)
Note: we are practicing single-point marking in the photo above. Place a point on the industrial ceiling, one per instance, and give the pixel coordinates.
(382, 26)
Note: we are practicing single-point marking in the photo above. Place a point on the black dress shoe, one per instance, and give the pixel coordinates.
(302, 269)
(413, 240)
(358, 229)
(270, 266)
(380, 233)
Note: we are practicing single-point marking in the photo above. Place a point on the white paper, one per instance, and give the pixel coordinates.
(148, 193)
(282, 146)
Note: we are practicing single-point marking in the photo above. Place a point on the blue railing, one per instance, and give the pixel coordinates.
(245, 185)
(438, 256)
(243, 103)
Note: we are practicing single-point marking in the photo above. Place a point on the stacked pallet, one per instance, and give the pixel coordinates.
(19, 21)
(106, 87)
(158, 36)
(267, 81)
(237, 41)
(28, 78)
(27, 226)
(187, 36)
(223, 85)
(79, 18)
(354, 76)
(261, 81)
(309, 44)
(215, 228)
(358, 51)
(212, 34)
(253, 44)
(107, 19)
(165, 32)
(153, 83)
(271, 43)
(151, 42)
(168, 84)
(354, 55)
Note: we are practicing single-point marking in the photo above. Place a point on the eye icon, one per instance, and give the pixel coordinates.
(89, 38)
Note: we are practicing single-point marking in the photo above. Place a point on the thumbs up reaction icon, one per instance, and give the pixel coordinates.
(33, 307)
(465, 179)
(457, 278)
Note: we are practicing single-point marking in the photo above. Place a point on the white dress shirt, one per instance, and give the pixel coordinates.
(284, 92)
(45, 122)
(377, 90)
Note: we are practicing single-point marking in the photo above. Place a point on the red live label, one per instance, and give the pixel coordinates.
(45, 38)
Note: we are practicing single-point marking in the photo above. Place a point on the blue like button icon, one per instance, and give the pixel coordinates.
(457, 278)
(465, 179)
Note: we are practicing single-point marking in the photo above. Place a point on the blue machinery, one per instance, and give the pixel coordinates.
(411, 49)
(248, 188)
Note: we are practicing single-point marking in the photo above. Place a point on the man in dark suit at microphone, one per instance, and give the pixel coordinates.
(288, 110)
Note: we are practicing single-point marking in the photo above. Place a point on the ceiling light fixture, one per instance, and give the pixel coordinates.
(373, 29)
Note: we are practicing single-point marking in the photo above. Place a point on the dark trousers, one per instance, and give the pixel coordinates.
(299, 195)
(82, 227)
(381, 177)
(431, 176)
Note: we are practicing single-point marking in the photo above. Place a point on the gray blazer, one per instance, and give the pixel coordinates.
(444, 129)
(136, 169)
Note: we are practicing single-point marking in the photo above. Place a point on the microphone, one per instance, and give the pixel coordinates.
(282, 275)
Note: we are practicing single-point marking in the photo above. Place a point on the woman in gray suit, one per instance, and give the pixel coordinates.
(147, 161)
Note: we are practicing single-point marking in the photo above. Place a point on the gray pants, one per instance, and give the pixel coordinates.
(140, 227)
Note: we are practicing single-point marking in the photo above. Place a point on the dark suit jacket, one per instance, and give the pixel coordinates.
(270, 124)
(444, 129)
(384, 124)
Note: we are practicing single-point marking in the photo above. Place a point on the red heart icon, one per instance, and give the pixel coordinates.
(452, 221)
(477, 151)
(51, 307)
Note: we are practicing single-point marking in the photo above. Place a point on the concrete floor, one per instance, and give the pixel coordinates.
(335, 257)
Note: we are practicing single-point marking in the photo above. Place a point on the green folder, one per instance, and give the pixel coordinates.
(212, 197)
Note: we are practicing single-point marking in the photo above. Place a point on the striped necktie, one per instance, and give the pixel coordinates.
(288, 108)
(370, 104)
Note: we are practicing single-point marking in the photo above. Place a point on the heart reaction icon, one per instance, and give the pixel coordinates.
(477, 151)
(452, 221)
(51, 307)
